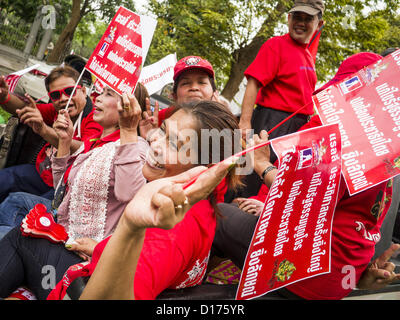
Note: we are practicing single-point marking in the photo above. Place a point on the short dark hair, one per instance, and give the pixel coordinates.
(61, 71)
(388, 51)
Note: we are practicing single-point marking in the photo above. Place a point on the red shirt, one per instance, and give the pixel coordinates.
(169, 259)
(355, 232)
(286, 71)
(164, 114)
(175, 258)
(88, 128)
(95, 141)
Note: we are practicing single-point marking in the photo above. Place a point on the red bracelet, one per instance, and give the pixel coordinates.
(7, 99)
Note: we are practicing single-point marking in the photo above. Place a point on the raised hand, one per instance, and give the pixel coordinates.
(129, 113)
(31, 116)
(381, 272)
(63, 126)
(149, 121)
(163, 203)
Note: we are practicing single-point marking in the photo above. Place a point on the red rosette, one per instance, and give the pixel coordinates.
(22, 294)
(40, 224)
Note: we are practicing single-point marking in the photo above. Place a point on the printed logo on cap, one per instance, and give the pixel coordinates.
(192, 61)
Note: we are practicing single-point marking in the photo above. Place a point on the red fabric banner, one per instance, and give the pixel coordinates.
(366, 106)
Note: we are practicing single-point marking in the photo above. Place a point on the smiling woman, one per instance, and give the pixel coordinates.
(37, 178)
(179, 224)
(166, 144)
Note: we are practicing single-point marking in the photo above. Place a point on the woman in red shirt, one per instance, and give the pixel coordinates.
(164, 238)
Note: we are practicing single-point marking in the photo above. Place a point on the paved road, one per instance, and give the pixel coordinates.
(10, 60)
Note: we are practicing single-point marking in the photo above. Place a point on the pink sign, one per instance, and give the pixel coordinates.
(366, 106)
(291, 241)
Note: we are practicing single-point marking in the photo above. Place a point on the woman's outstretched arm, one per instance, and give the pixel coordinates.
(161, 204)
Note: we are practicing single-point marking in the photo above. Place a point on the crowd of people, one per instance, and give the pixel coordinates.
(115, 174)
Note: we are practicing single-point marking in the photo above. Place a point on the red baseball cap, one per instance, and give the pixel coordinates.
(192, 62)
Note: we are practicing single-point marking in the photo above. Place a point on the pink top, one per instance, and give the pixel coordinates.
(97, 195)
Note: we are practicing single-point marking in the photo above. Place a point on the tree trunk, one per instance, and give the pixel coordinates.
(244, 56)
(58, 54)
(241, 60)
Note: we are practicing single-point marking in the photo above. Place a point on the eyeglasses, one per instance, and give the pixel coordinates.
(56, 94)
(303, 17)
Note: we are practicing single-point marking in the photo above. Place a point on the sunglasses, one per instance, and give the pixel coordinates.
(56, 94)
(300, 18)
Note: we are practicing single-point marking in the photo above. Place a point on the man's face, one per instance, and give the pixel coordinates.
(78, 101)
(302, 26)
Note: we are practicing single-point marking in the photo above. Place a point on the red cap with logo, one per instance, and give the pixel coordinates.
(192, 62)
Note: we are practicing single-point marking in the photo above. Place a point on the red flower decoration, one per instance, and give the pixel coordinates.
(40, 224)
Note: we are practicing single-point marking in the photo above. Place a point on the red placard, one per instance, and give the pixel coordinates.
(117, 59)
(291, 241)
(366, 106)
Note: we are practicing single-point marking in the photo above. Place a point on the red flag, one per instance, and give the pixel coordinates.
(313, 45)
(291, 241)
(118, 57)
(365, 105)
(12, 80)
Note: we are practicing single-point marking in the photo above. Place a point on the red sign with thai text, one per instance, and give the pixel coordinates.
(366, 106)
(117, 59)
(291, 241)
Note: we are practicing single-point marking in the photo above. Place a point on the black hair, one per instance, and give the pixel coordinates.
(388, 51)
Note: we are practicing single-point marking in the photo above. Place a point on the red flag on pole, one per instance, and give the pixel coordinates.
(12, 80)
(313, 45)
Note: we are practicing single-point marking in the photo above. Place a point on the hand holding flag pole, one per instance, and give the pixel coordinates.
(73, 91)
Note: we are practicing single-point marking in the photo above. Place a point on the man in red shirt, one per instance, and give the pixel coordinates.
(37, 179)
(281, 80)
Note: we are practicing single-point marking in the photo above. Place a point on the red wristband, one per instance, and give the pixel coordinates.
(7, 99)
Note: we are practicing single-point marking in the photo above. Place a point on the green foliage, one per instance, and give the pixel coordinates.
(4, 115)
(95, 22)
(370, 31)
(27, 9)
(87, 35)
(22, 8)
(221, 31)
(194, 28)
(218, 30)
(13, 31)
